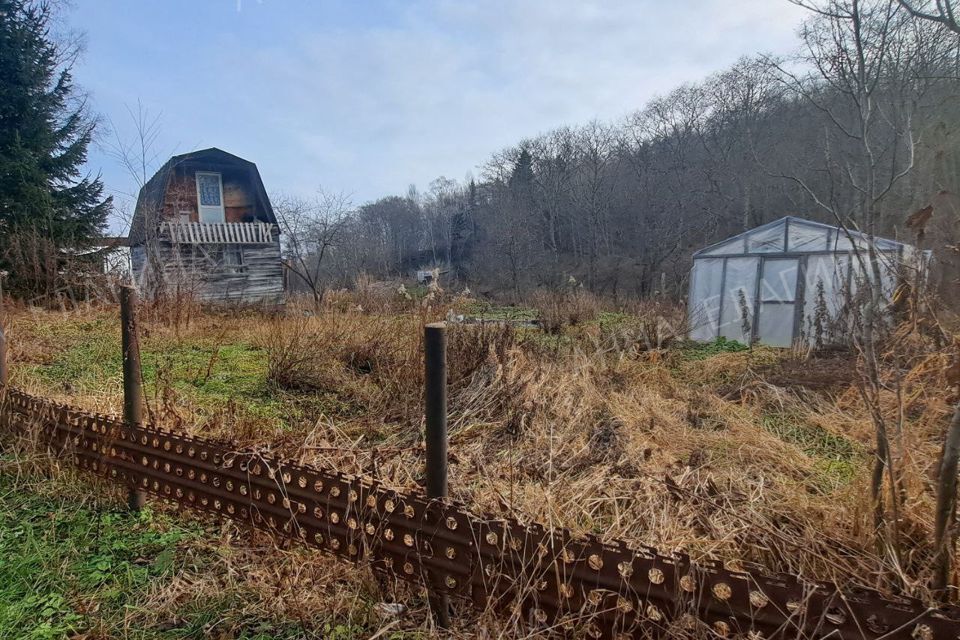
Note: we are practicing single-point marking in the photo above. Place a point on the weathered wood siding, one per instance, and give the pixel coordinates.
(194, 269)
(239, 201)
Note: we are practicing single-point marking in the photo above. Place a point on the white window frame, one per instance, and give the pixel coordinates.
(221, 211)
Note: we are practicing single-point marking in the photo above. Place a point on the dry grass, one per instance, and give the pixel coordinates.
(569, 307)
(627, 439)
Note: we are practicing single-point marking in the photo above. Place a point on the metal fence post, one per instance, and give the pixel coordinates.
(132, 380)
(4, 372)
(435, 399)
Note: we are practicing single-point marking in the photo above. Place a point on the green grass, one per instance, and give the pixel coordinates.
(609, 320)
(702, 350)
(86, 358)
(837, 459)
(69, 568)
(213, 374)
(59, 560)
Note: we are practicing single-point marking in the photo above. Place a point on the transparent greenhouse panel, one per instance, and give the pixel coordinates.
(766, 240)
(727, 248)
(840, 242)
(739, 292)
(801, 238)
(825, 290)
(889, 273)
(776, 324)
(887, 245)
(704, 305)
(889, 263)
(779, 282)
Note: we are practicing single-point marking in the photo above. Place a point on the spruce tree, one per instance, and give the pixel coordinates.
(45, 129)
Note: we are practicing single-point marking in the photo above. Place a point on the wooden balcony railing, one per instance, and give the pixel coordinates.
(217, 232)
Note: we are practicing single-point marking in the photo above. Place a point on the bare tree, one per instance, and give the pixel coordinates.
(137, 151)
(628, 202)
(311, 228)
(940, 11)
(863, 83)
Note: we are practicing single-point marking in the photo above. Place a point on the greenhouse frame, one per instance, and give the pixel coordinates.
(786, 282)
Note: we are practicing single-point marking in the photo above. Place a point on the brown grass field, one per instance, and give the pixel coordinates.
(603, 424)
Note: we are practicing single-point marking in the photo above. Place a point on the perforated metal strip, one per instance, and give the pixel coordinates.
(580, 585)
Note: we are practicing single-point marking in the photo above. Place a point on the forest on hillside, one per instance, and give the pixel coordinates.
(859, 128)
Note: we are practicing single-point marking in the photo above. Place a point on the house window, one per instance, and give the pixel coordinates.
(233, 259)
(210, 197)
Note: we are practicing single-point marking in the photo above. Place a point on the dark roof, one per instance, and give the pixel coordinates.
(111, 241)
(151, 195)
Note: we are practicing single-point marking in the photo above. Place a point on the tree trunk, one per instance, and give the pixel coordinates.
(946, 504)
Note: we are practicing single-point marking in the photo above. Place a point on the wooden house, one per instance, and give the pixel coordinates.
(204, 226)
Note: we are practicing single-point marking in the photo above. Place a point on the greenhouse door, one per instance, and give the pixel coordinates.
(777, 301)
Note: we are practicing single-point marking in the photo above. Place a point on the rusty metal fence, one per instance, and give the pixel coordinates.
(554, 581)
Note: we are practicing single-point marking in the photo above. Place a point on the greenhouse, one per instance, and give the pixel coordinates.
(786, 282)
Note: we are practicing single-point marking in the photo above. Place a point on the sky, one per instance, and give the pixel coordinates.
(366, 97)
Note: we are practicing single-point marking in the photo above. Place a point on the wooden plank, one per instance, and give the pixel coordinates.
(261, 281)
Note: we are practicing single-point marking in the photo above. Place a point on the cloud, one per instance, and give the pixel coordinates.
(448, 83)
(368, 98)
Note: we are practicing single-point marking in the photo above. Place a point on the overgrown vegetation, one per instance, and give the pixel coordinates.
(77, 564)
(702, 350)
(70, 568)
(579, 428)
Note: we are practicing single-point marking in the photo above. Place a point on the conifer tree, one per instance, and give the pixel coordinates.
(46, 203)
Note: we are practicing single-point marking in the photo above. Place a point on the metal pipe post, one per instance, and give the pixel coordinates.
(435, 399)
(132, 379)
(435, 369)
(4, 372)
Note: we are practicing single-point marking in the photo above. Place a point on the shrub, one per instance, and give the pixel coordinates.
(568, 307)
(296, 356)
